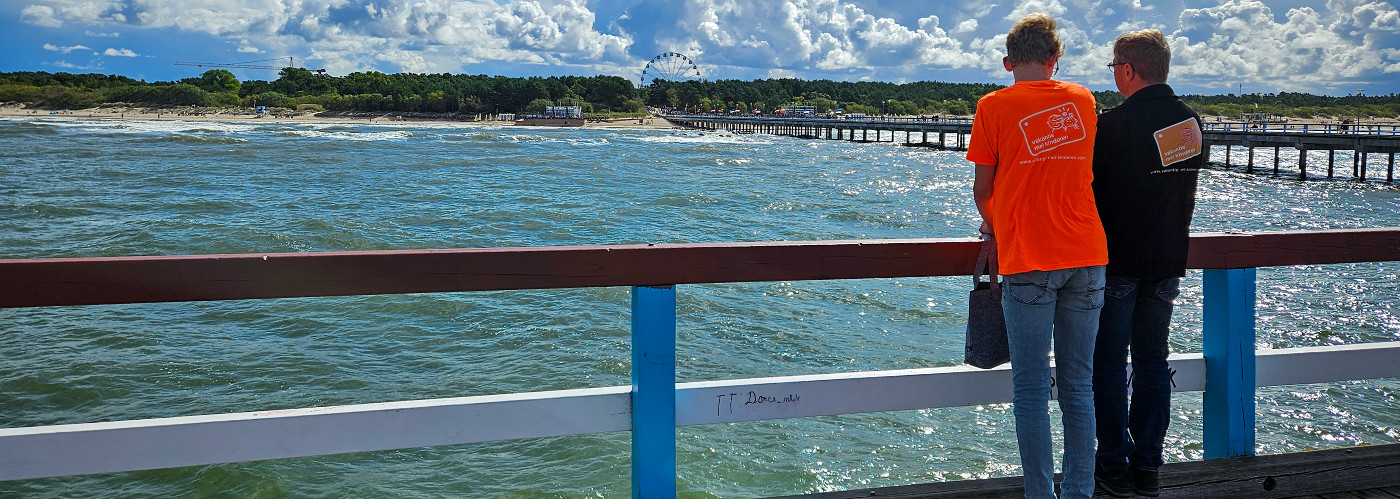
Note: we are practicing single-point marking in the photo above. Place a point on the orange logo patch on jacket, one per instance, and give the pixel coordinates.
(1179, 142)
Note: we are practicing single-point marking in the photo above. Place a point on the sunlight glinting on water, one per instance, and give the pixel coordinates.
(105, 188)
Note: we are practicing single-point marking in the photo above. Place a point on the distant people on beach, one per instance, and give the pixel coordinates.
(1032, 145)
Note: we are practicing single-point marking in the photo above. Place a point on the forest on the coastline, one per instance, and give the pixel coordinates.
(472, 95)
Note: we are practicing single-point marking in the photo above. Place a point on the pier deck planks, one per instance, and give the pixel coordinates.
(1366, 471)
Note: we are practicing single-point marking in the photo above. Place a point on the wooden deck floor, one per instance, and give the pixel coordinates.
(1357, 472)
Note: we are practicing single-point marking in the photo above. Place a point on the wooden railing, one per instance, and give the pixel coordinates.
(1312, 129)
(653, 405)
(1304, 128)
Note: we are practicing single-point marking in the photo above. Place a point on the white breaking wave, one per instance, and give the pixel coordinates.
(706, 138)
(135, 127)
(391, 135)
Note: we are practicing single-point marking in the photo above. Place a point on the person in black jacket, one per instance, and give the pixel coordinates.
(1146, 158)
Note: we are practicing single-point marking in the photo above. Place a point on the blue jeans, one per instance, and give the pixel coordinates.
(1136, 316)
(1062, 305)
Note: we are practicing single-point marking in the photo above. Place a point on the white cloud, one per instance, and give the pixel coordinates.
(967, 26)
(1308, 48)
(838, 59)
(826, 35)
(779, 73)
(40, 15)
(244, 47)
(1377, 16)
(55, 48)
(119, 52)
(1243, 41)
(1027, 7)
(53, 13)
(102, 35)
(410, 62)
(427, 35)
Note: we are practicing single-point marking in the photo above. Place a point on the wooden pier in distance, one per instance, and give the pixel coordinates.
(933, 132)
(945, 133)
(1361, 140)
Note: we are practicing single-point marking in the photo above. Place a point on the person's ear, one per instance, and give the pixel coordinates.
(1006, 63)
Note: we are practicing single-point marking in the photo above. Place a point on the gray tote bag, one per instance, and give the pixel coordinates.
(986, 326)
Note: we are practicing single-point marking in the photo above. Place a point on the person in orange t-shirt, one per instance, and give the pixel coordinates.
(1033, 147)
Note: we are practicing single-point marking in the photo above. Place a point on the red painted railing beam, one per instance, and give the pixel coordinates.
(89, 281)
(147, 279)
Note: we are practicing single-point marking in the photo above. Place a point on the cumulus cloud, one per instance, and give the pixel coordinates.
(119, 52)
(1244, 41)
(245, 47)
(408, 35)
(55, 48)
(1216, 42)
(53, 13)
(69, 65)
(966, 26)
(1053, 7)
(835, 36)
(40, 15)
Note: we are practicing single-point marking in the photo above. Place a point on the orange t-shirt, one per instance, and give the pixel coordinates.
(1040, 136)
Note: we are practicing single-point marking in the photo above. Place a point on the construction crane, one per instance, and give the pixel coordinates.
(242, 65)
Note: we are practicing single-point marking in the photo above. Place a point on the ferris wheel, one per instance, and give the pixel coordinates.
(669, 66)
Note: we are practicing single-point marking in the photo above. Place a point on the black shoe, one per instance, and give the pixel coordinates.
(1145, 483)
(1114, 483)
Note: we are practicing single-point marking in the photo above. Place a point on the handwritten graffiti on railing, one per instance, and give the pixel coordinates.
(725, 401)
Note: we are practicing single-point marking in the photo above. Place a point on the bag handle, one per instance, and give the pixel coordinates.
(986, 258)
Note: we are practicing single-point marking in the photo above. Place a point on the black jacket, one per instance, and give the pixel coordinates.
(1146, 206)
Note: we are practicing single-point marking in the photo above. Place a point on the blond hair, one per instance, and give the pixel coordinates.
(1033, 40)
(1148, 53)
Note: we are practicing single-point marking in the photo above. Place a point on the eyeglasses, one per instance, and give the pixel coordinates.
(1112, 64)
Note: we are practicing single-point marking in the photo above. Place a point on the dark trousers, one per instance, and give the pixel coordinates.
(1135, 318)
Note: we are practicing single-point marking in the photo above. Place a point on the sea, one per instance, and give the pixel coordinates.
(77, 187)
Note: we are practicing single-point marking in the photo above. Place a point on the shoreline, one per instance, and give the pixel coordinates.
(651, 122)
(130, 113)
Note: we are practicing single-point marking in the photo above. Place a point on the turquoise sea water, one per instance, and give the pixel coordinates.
(106, 188)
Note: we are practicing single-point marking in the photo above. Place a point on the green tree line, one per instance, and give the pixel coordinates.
(1298, 105)
(362, 92)
(475, 94)
(825, 96)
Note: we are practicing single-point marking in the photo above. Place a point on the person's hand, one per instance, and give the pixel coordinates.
(986, 229)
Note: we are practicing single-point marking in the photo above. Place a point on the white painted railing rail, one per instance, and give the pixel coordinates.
(251, 436)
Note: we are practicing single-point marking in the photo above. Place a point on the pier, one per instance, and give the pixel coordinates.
(1228, 370)
(945, 133)
(1361, 141)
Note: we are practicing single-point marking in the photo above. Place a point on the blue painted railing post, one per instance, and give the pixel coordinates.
(1229, 351)
(653, 392)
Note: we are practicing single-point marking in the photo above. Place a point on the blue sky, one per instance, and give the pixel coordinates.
(1331, 47)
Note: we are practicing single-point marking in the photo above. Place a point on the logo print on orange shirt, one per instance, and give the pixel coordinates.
(1053, 128)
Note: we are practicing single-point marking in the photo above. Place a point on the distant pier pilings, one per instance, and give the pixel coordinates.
(936, 132)
(1251, 140)
(1361, 141)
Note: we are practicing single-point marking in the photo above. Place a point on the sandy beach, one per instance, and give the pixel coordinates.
(133, 113)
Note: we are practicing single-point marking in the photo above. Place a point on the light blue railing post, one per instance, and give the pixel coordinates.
(653, 392)
(1229, 351)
